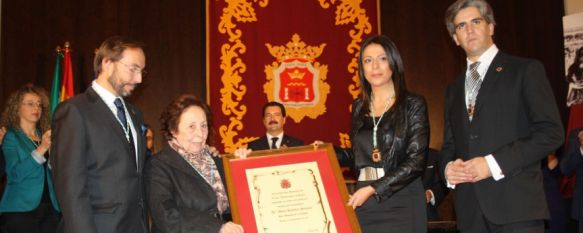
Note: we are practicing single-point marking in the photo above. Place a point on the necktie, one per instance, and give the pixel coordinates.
(121, 115)
(473, 83)
(274, 142)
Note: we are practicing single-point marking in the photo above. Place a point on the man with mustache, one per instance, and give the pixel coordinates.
(274, 119)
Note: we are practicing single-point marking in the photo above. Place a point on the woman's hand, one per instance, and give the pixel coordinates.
(45, 143)
(231, 227)
(360, 196)
(2, 133)
(242, 152)
(213, 151)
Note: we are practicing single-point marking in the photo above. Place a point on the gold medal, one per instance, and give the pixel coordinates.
(376, 155)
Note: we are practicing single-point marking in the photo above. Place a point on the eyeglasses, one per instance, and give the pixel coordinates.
(32, 104)
(134, 69)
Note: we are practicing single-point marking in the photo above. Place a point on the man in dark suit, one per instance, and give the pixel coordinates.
(435, 190)
(573, 162)
(501, 119)
(274, 120)
(98, 149)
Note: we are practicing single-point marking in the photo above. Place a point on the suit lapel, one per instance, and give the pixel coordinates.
(175, 160)
(493, 74)
(140, 146)
(265, 142)
(284, 141)
(101, 108)
(460, 108)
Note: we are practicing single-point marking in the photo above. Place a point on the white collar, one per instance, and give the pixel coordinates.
(105, 95)
(279, 136)
(485, 60)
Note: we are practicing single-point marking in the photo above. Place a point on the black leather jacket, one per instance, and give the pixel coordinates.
(403, 150)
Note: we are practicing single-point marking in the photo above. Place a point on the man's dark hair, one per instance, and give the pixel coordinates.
(273, 103)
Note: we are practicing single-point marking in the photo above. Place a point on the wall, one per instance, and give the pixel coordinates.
(573, 6)
(174, 33)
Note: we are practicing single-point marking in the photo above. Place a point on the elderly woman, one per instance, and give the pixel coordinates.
(184, 183)
(29, 203)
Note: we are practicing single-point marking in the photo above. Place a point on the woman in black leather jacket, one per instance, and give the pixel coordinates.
(389, 140)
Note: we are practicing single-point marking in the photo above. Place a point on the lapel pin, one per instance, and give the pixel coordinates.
(499, 68)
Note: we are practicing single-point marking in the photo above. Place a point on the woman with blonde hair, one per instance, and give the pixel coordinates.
(29, 203)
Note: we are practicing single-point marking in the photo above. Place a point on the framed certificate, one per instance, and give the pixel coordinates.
(296, 189)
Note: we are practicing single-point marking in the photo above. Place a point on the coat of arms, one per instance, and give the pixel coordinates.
(297, 80)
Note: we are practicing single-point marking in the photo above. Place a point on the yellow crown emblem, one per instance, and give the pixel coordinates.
(296, 49)
(296, 74)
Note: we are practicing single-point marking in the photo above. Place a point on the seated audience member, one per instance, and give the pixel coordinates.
(29, 203)
(184, 183)
(573, 162)
(274, 120)
(435, 190)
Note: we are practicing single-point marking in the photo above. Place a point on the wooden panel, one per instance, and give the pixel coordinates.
(174, 33)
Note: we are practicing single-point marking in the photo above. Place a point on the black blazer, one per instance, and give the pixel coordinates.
(517, 121)
(179, 199)
(263, 144)
(571, 162)
(404, 144)
(98, 186)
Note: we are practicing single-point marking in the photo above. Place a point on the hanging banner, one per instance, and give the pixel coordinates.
(300, 53)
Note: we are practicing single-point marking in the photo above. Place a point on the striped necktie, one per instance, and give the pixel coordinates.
(473, 83)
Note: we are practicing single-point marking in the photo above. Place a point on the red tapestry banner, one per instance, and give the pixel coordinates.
(301, 53)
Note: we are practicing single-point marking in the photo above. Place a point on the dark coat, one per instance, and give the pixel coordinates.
(572, 162)
(517, 121)
(98, 185)
(180, 200)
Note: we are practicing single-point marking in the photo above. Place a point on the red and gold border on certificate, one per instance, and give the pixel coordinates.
(333, 182)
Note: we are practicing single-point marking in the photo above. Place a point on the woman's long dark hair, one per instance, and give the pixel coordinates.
(396, 65)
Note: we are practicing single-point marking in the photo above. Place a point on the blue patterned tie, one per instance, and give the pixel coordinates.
(121, 115)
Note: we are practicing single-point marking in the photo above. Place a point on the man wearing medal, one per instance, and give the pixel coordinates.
(501, 119)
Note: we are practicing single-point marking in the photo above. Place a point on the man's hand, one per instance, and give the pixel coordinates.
(455, 172)
(478, 168)
(428, 195)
